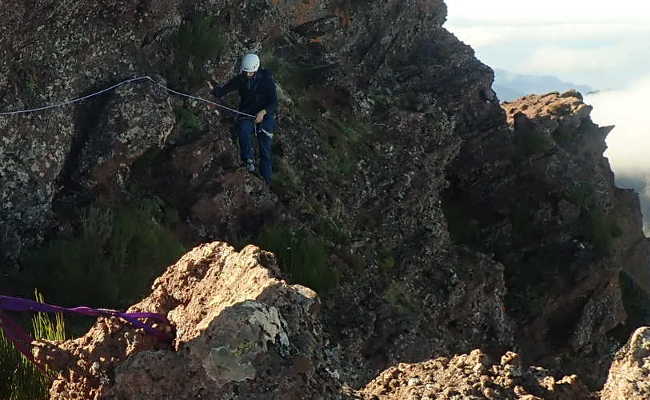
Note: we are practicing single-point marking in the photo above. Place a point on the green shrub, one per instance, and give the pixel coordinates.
(20, 379)
(197, 41)
(188, 123)
(111, 263)
(281, 69)
(582, 195)
(600, 229)
(141, 248)
(344, 144)
(398, 295)
(302, 256)
(387, 263)
(295, 76)
(287, 183)
(331, 230)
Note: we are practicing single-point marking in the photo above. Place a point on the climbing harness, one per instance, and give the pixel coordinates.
(131, 80)
(22, 340)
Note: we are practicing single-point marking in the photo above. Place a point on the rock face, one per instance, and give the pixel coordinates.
(48, 56)
(446, 222)
(628, 377)
(361, 161)
(239, 329)
(548, 209)
(474, 376)
(134, 120)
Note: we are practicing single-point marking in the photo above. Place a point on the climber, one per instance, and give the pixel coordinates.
(257, 97)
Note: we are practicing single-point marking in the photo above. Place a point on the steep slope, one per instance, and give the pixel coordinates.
(239, 331)
(550, 212)
(361, 161)
(429, 225)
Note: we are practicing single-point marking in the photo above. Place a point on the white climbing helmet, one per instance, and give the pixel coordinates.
(250, 63)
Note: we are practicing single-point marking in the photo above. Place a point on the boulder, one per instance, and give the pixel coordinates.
(629, 375)
(473, 376)
(238, 328)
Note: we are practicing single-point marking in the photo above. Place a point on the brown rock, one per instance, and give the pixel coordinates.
(498, 383)
(238, 327)
(629, 376)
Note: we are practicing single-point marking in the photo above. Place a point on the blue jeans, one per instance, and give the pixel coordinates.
(264, 141)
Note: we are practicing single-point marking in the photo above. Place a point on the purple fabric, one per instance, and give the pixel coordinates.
(22, 340)
(16, 334)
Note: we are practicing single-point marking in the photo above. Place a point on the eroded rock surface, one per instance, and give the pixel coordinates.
(474, 376)
(449, 223)
(542, 198)
(629, 376)
(238, 329)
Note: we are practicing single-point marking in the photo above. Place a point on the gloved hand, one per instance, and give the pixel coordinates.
(260, 116)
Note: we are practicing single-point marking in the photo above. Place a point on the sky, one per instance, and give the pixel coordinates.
(602, 44)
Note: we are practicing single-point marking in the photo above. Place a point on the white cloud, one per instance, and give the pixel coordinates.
(479, 36)
(564, 59)
(602, 55)
(601, 43)
(557, 10)
(629, 143)
(482, 33)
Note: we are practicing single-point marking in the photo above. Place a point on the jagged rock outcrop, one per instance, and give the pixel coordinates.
(238, 329)
(629, 375)
(417, 85)
(550, 212)
(474, 376)
(448, 222)
(49, 54)
(364, 151)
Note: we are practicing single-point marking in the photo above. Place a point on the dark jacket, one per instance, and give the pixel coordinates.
(256, 93)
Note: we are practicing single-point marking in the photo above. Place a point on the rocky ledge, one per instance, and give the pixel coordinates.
(238, 329)
(241, 331)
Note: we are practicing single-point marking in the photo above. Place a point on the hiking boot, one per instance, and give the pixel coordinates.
(250, 165)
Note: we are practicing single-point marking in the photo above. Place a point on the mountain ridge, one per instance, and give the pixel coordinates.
(510, 86)
(430, 220)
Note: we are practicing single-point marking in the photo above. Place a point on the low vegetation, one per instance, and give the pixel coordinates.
(111, 262)
(20, 379)
(198, 40)
(301, 255)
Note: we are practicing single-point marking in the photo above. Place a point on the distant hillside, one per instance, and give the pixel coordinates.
(510, 86)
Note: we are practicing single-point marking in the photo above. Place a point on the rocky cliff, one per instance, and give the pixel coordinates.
(430, 220)
(238, 329)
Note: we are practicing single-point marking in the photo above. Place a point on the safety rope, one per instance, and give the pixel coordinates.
(22, 340)
(136, 79)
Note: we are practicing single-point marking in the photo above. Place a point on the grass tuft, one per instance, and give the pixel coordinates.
(302, 256)
(20, 379)
(111, 263)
